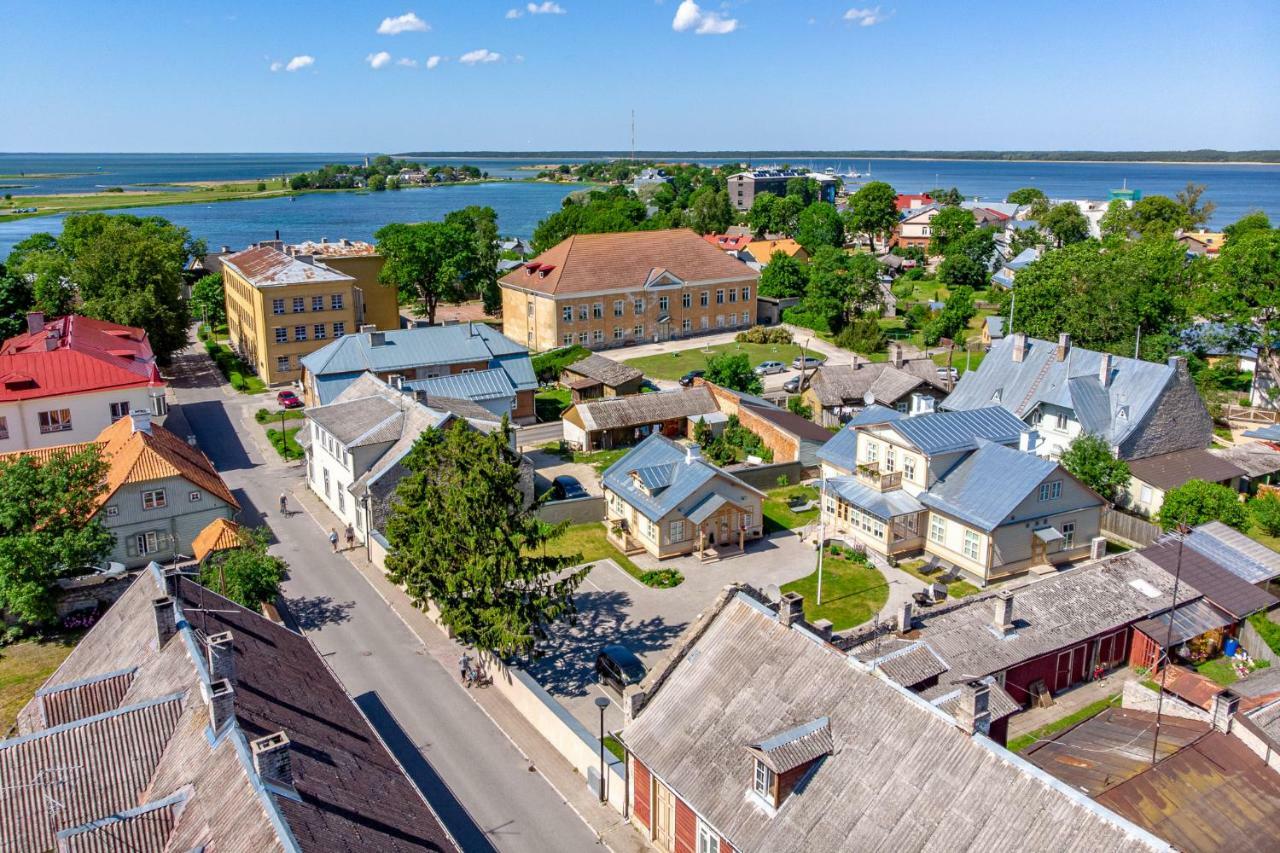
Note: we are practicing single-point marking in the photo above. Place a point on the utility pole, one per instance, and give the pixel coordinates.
(822, 530)
(1137, 344)
(633, 136)
(1183, 530)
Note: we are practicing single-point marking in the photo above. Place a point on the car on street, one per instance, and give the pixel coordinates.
(286, 399)
(764, 368)
(806, 362)
(567, 488)
(948, 373)
(795, 384)
(617, 666)
(687, 379)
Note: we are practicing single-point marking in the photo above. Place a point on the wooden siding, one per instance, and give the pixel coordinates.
(686, 828)
(640, 788)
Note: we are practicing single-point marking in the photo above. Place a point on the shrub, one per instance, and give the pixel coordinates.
(904, 289)
(1196, 501)
(1265, 511)
(797, 316)
(864, 336)
(764, 335)
(549, 365)
(783, 480)
(662, 578)
(237, 380)
(797, 407)
(1269, 631)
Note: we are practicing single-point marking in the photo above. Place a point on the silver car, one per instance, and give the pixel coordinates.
(764, 368)
(802, 362)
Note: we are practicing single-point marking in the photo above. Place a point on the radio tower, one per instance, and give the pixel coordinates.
(633, 136)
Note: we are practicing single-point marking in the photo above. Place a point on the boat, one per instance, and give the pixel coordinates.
(830, 170)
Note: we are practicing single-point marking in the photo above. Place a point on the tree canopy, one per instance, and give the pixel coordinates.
(784, 276)
(208, 299)
(734, 371)
(482, 278)
(1196, 501)
(873, 211)
(1158, 216)
(1066, 224)
(428, 262)
(819, 225)
(247, 575)
(1089, 458)
(1025, 195)
(709, 210)
(947, 225)
(841, 286)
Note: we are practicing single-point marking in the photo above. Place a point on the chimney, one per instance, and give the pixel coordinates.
(366, 328)
(922, 404)
(790, 609)
(397, 381)
(277, 235)
(895, 354)
(823, 628)
(1019, 347)
(222, 660)
(220, 699)
(271, 758)
(377, 339)
(51, 341)
(972, 710)
(904, 617)
(35, 322)
(691, 453)
(1064, 346)
(166, 619)
(1179, 364)
(141, 421)
(1104, 370)
(1002, 618)
(1028, 440)
(224, 250)
(1225, 705)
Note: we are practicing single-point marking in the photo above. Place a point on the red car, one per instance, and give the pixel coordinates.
(288, 400)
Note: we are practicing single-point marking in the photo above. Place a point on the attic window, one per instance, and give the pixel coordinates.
(1123, 413)
(995, 398)
(784, 760)
(530, 269)
(765, 782)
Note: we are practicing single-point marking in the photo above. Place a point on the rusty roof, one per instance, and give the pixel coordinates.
(267, 266)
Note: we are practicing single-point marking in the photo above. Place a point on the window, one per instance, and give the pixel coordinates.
(619, 333)
(704, 323)
(194, 497)
(1051, 491)
(909, 467)
(567, 313)
(937, 528)
(677, 531)
(57, 420)
(1061, 420)
(703, 298)
(619, 305)
(118, 411)
(339, 329)
(901, 406)
(719, 321)
(638, 307)
(873, 452)
(299, 304)
(318, 331)
(733, 295)
(638, 331)
(4, 428)
(335, 302)
(326, 482)
(154, 499)
(1036, 417)
(1146, 494)
(282, 362)
(664, 304)
(971, 545)
(597, 336)
(277, 306)
(746, 318)
(113, 511)
(317, 303)
(149, 543)
(763, 782)
(597, 310)
(686, 325)
(746, 294)
(582, 338)
(299, 333)
(582, 311)
(686, 300)
(719, 297)
(282, 335)
(1068, 535)
(342, 501)
(890, 460)
(708, 841)
(567, 340)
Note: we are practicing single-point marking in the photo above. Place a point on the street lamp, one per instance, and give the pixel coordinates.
(602, 703)
(284, 437)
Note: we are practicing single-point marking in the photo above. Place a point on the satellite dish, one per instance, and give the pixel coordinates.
(772, 593)
(868, 399)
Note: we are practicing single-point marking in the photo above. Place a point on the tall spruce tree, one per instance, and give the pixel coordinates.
(462, 537)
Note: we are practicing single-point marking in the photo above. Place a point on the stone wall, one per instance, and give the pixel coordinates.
(576, 511)
(1138, 698)
(1179, 420)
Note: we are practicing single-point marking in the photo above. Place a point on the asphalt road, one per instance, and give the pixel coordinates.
(476, 779)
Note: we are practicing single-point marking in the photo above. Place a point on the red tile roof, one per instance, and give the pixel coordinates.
(728, 242)
(74, 355)
(908, 200)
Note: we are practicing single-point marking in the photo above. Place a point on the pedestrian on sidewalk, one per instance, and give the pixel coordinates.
(284, 505)
(351, 537)
(464, 668)
(333, 539)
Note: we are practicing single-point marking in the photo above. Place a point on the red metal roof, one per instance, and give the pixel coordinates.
(72, 355)
(728, 242)
(905, 201)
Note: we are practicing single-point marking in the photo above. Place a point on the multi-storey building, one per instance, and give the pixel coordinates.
(284, 302)
(745, 186)
(609, 290)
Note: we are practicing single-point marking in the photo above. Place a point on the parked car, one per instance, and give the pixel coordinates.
(688, 378)
(943, 373)
(617, 666)
(806, 362)
(567, 488)
(795, 385)
(764, 368)
(288, 400)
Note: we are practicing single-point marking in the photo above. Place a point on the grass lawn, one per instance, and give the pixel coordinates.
(71, 202)
(961, 361)
(673, 365)
(1257, 535)
(852, 592)
(23, 668)
(291, 437)
(589, 541)
(551, 404)
(601, 459)
(777, 510)
(612, 744)
(955, 589)
(1021, 742)
(266, 416)
(1219, 669)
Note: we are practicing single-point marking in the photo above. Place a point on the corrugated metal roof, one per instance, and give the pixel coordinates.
(946, 432)
(883, 505)
(406, 349)
(1227, 590)
(989, 484)
(704, 508)
(266, 266)
(87, 697)
(1189, 621)
(1235, 552)
(145, 828)
(366, 420)
(477, 385)
(89, 355)
(686, 476)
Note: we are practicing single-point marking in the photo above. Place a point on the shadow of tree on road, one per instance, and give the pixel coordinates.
(567, 663)
(316, 611)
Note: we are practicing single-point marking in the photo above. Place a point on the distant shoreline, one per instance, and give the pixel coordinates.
(1195, 157)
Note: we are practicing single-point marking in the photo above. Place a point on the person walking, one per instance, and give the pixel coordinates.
(284, 505)
(333, 539)
(464, 668)
(351, 537)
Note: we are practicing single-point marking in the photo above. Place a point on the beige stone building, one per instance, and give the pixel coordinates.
(609, 290)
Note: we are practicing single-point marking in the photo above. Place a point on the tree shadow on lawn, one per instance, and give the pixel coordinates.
(567, 663)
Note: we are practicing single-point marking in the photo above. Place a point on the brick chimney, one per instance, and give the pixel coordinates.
(1019, 347)
(973, 713)
(904, 617)
(166, 619)
(35, 322)
(1225, 705)
(791, 609)
(272, 758)
(1064, 346)
(1002, 617)
(1104, 370)
(222, 661)
(220, 700)
(895, 354)
(141, 419)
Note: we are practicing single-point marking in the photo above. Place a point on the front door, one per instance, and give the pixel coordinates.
(664, 818)
(1038, 553)
(1070, 668)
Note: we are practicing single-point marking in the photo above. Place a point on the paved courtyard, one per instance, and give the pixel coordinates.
(548, 466)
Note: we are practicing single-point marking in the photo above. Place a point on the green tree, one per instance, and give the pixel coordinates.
(15, 302)
(1023, 239)
(247, 575)
(1026, 195)
(803, 189)
(44, 275)
(1265, 512)
(378, 183)
(796, 406)
(948, 198)
(208, 301)
(1158, 216)
(978, 246)
(948, 224)
(1244, 289)
(873, 211)
(863, 335)
(48, 527)
(760, 217)
(709, 210)
(1196, 501)
(962, 271)
(819, 225)
(1066, 224)
(1089, 458)
(952, 319)
(463, 538)
(1253, 221)
(786, 214)
(482, 276)
(783, 277)
(1195, 212)
(733, 371)
(427, 262)
(841, 285)
(1117, 221)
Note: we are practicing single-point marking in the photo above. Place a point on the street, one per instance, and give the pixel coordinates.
(480, 784)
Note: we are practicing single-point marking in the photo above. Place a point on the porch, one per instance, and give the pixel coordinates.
(723, 528)
(884, 518)
(619, 534)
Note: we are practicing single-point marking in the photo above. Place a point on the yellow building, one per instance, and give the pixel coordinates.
(284, 302)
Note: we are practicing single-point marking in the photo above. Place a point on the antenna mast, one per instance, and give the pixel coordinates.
(633, 136)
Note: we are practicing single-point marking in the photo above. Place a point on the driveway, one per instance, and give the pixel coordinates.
(548, 466)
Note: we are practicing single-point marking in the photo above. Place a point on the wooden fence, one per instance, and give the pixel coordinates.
(1251, 415)
(1255, 645)
(1129, 527)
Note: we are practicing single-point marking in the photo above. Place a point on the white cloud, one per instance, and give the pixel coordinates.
(512, 14)
(296, 64)
(407, 62)
(473, 57)
(276, 66)
(865, 17)
(691, 16)
(546, 8)
(379, 59)
(433, 61)
(406, 23)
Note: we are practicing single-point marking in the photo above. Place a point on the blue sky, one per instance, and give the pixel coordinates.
(742, 74)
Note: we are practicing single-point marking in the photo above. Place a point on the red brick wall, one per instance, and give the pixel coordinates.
(640, 794)
(686, 828)
(784, 446)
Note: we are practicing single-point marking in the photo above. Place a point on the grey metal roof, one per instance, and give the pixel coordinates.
(480, 385)
(947, 432)
(883, 505)
(907, 662)
(1227, 590)
(606, 370)
(359, 421)
(995, 327)
(901, 774)
(947, 697)
(404, 349)
(1234, 551)
(664, 462)
(795, 746)
(841, 449)
(1267, 433)
(705, 508)
(988, 484)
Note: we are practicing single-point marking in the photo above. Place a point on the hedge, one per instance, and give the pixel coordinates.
(549, 365)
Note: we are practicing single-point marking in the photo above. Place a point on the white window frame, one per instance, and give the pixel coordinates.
(708, 840)
(55, 420)
(155, 497)
(1068, 531)
(676, 533)
(277, 306)
(282, 362)
(762, 782)
(112, 510)
(195, 497)
(566, 313)
(1051, 491)
(300, 333)
(972, 542)
(119, 410)
(318, 332)
(317, 303)
(339, 329)
(937, 529)
(282, 334)
(336, 302)
(299, 304)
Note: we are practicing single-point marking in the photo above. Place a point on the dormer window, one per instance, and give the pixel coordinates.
(782, 762)
(766, 782)
(995, 398)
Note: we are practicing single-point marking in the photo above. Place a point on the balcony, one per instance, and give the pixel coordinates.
(882, 481)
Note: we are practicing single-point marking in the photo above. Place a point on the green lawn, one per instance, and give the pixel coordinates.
(550, 405)
(955, 589)
(673, 365)
(777, 511)
(266, 416)
(601, 459)
(23, 668)
(852, 592)
(1021, 742)
(589, 541)
(612, 744)
(290, 438)
(960, 360)
(1218, 669)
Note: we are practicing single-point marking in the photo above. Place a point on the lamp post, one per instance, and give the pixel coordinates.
(602, 703)
(284, 437)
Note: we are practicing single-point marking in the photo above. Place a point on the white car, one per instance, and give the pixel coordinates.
(943, 373)
(764, 368)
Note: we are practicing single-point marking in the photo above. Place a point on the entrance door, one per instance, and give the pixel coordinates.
(1038, 552)
(1070, 667)
(664, 818)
